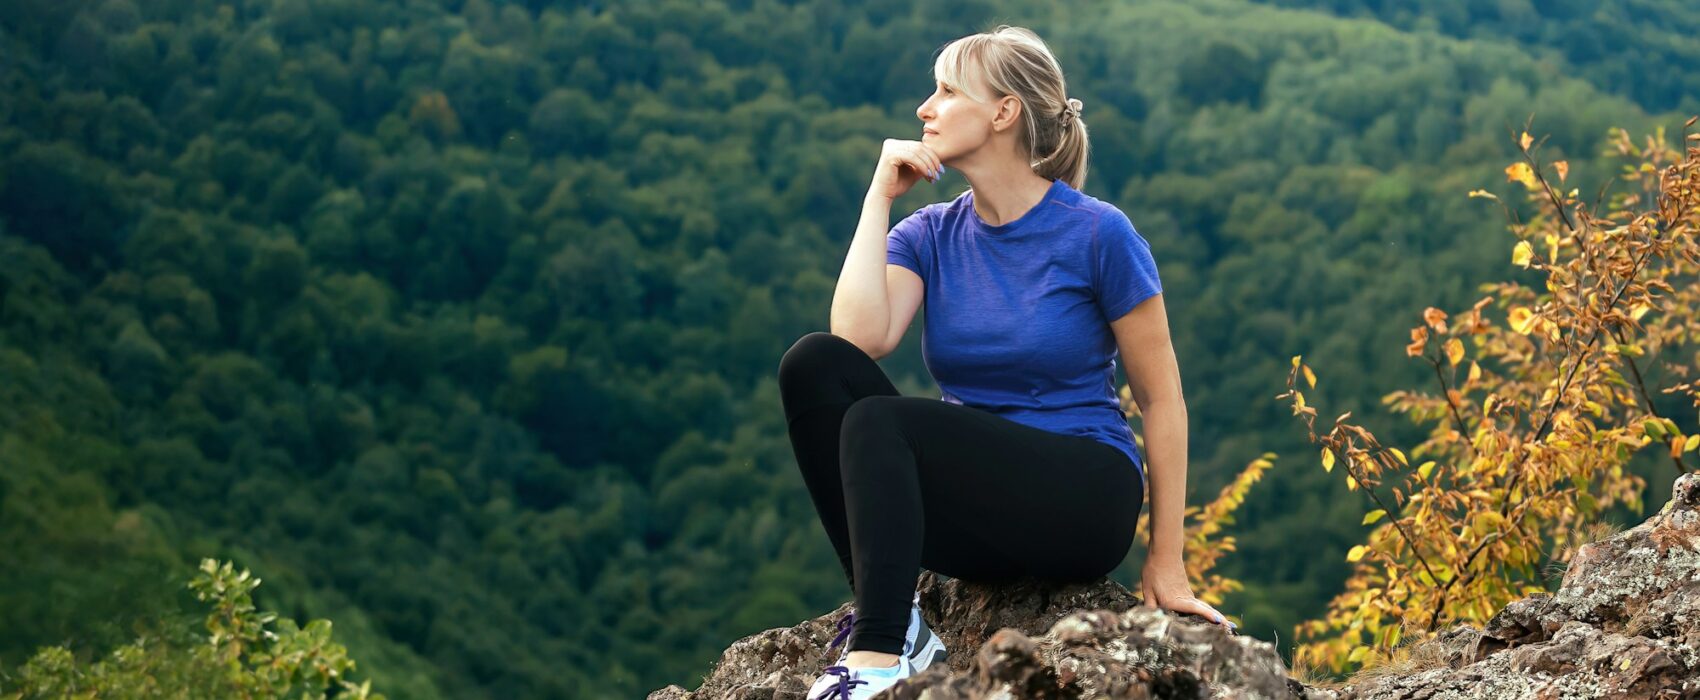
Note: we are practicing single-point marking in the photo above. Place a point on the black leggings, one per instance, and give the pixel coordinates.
(922, 482)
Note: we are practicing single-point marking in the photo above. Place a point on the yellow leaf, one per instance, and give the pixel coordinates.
(1423, 471)
(1310, 377)
(1526, 140)
(1522, 319)
(1399, 455)
(1356, 553)
(1455, 351)
(1351, 484)
(1296, 360)
(1522, 253)
(1520, 172)
(1563, 168)
(1327, 460)
(1692, 442)
(1484, 194)
(1374, 515)
(1298, 399)
(1475, 372)
(1639, 311)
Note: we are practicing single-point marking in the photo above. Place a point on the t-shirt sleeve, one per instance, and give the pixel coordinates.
(907, 243)
(1126, 272)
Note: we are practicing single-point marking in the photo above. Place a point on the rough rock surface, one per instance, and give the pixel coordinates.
(1625, 623)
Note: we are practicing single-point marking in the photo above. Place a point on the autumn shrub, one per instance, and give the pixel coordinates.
(1541, 397)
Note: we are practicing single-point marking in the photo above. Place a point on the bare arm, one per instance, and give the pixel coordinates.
(1154, 379)
(861, 309)
(874, 302)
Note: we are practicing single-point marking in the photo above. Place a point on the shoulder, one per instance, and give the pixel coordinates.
(1100, 221)
(1104, 213)
(939, 215)
(962, 202)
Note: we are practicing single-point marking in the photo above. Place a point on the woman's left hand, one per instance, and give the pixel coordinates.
(1165, 586)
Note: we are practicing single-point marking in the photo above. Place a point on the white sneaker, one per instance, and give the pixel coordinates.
(921, 648)
(842, 683)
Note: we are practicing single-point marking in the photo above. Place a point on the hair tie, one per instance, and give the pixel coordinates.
(1071, 111)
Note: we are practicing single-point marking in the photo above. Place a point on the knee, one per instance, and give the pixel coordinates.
(869, 415)
(809, 355)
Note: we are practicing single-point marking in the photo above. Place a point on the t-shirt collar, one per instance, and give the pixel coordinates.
(1021, 221)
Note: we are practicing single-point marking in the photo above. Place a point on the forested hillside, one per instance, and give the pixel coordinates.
(457, 320)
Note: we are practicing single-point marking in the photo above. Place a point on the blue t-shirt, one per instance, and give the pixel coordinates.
(1018, 315)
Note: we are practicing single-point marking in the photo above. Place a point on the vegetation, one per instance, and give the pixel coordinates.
(457, 320)
(240, 657)
(1535, 439)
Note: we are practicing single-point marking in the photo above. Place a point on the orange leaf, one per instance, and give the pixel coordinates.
(1435, 318)
(1526, 140)
(1563, 168)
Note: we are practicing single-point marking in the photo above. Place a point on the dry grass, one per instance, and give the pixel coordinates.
(1411, 656)
(1578, 537)
(1314, 676)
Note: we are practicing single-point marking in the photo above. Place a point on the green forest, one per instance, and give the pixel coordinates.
(457, 321)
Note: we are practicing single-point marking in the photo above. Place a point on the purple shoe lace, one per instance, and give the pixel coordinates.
(843, 628)
(845, 683)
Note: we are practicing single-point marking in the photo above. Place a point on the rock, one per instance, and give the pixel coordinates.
(1625, 623)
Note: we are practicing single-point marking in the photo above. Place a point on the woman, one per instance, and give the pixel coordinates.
(1026, 467)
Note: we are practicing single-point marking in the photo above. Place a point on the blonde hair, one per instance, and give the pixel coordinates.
(1015, 61)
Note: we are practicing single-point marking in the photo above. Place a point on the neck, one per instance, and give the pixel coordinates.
(1004, 195)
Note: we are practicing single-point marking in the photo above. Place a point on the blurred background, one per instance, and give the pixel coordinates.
(457, 321)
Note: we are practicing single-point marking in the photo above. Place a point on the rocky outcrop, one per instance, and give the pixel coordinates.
(1625, 623)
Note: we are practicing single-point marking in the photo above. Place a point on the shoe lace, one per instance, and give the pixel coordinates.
(843, 629)
(842, 689)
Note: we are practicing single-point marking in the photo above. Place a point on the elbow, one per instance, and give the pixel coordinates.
(868, 344)
(1164, 403)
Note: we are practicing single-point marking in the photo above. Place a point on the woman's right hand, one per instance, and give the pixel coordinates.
(901, 164)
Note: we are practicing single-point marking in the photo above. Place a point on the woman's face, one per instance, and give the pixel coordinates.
(953, 123)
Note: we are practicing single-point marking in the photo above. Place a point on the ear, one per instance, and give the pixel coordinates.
(1009, 113)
